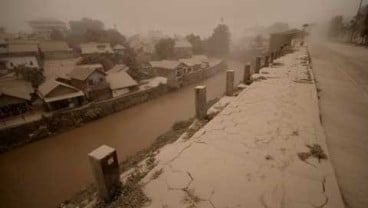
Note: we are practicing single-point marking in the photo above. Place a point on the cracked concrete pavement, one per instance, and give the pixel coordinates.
(247, 156)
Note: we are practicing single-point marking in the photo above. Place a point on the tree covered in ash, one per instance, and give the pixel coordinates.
(32, 75)
(197, 43)
(218, 44)
(164, 48)
(336, 27)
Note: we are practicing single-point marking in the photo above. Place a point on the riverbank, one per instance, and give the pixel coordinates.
(266, 148)
(48, 124)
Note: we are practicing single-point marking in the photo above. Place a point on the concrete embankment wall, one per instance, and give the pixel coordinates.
(67, 119)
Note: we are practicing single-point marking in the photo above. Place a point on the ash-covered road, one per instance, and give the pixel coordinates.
(341, 71)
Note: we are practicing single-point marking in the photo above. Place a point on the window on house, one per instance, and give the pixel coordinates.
(31, 63)
(101, 79)
(90, 82)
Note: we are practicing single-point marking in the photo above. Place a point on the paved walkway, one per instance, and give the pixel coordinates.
(247, 156)
(342, 74)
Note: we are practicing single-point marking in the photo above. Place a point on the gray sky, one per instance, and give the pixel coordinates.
(174, 16)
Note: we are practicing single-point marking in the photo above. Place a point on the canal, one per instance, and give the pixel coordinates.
(45, 173)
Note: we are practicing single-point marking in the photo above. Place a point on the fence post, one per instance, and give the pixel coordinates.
(246, 75)
(200, 102)
(258, 64)
(105, 168)
(272, 57)
(267, 61)
(229, 82)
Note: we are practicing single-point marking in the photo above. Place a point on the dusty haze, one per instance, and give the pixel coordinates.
(175, 16)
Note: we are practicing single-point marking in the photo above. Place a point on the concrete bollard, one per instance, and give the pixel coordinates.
(258, 64)
(267, 64)
(200, 102)
(272, 57)
(246, 75)
(230, 82)
(105, 168)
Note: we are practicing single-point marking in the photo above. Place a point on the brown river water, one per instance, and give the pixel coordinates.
(44, 173)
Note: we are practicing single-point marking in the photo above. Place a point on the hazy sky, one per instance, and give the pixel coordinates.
(174, 16)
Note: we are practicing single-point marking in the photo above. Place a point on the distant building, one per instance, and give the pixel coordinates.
(183, 49)
(15, 97)
(172, 70)
(119, 49)
(91, 79)
(196, 62)
(120, 82)
(80, 27)
(57, 95)
(95, 48)
(45, 26)
(59, 68)
(55, 50)
(15, 55)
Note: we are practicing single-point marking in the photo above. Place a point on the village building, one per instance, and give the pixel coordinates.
(118, 68)
(95, 48)
(120, 82)
(44, 26)
(91, 79)
(56, 50)
(57, 95)
(183, 49)
(196, 63)
(119, 49)
(59, 68)
(170, 69)
(15, 97)
(20, 54)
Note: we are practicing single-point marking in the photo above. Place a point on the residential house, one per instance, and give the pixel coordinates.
(196, 63)
(91, 79)
(183, 49)
(20, 54)
(56, 50)
(120, 82)
(118, 68)
(171, 69)
(15, 97)
(59, 68)
(95, 48)
(58, 95)
(119, 49)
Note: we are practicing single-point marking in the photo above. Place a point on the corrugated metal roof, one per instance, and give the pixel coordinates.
(21, 48)
(16, 88)
(63, 97)
(118, 68)
(45, 88)
(82, 72)
(49, 46)
(120, 80)
(59, 68)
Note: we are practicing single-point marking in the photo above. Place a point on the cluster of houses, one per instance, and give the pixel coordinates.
(185, 66)
(69, 83)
